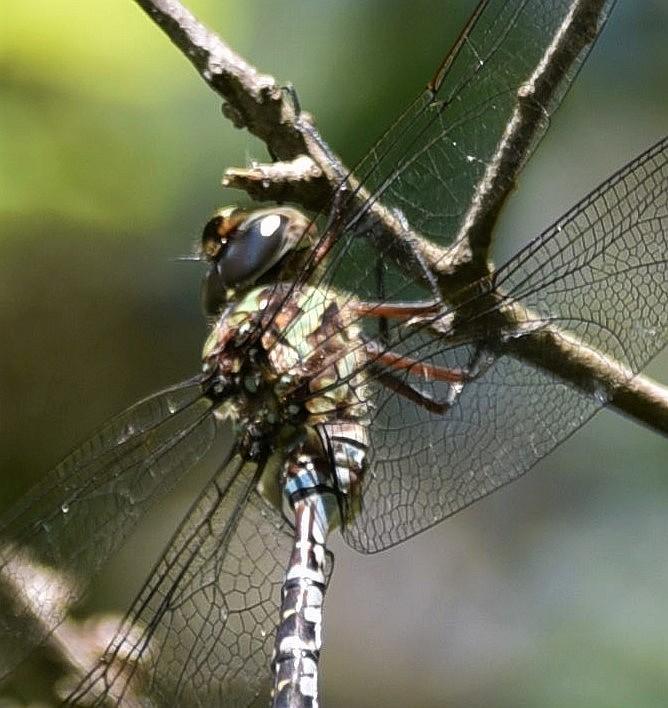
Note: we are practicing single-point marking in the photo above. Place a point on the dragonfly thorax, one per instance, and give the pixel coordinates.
(287, 368)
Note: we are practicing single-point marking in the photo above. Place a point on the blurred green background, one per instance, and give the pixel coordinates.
(552, 592)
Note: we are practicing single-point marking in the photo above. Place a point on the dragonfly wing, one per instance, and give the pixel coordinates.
(435, 165)
(599, 273)
(433, 160)
(600, 276)
(81, 511)
(201, 631)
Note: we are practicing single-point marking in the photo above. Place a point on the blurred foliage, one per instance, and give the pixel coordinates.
(111, 153)
(89, 87)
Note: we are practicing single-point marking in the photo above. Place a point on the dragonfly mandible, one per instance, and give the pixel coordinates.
(362, 398)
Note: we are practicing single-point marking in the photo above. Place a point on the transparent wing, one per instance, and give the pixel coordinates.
(201, 631)
(431, 166)
(600, 276)
(600, 271)
(82, 510)
(431, 161)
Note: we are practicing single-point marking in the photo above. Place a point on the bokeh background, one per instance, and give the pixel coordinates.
(554, 591)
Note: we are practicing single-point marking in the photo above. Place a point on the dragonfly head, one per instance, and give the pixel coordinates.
(249, 248)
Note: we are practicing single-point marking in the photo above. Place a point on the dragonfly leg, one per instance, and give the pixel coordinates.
(386, 362)
(402, 311)
(428, 372)
(305, 124)
(403, 388)
(291, 93)
(419, 267)
(331, 231)
(404, 251)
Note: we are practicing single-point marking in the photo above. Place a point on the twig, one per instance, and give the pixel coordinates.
(540, 92)
(251, 100)
(37, 595)
(606, 380)
(276, 180)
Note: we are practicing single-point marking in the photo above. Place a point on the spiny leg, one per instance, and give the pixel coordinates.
(411, 393)
(401, 311)
(386, 362)
(416, 262)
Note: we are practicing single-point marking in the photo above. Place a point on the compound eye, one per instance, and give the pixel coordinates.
(252, 249)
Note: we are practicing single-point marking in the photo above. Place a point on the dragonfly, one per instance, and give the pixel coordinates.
(360, 386)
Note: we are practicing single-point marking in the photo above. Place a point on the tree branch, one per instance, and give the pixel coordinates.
(37, 594)
(577, 33)
(277, 181)
(251, 100)
(559, 353)
(310, 173)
